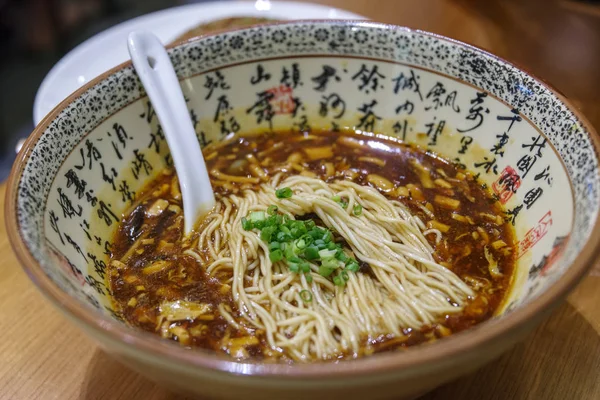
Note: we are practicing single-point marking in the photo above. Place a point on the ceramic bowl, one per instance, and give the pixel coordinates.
(85, 162)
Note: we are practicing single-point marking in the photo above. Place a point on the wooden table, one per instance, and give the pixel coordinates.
(43, 357)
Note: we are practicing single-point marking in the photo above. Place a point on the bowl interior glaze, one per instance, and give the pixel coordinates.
(86, 161)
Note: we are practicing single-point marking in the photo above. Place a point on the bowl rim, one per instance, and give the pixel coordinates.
(478, 337)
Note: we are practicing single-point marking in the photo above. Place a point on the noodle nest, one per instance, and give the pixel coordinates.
(403, 288)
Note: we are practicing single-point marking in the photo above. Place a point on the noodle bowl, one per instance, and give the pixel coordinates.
(94, 213)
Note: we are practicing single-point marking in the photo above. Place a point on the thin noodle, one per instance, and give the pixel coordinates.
(407, 288)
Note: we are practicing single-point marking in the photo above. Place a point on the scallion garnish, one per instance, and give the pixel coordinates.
(294, 267)
(340, 255)
(324, 271)
(311, 253)
(306, 296)
(357, 210)
(283, 193)
(267, 232)
(344, 276)
(342, 201)
(257, 216)
(276, 255)
(247, 225)
(301, 244)
(352, 266)
(330, 263)
(327, 253)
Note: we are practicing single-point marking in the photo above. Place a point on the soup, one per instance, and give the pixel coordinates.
(322, 246)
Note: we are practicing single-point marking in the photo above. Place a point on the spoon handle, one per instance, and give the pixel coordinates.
(153, 66)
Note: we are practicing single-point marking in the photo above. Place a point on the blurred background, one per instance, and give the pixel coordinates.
(34, 35)
(558, 40)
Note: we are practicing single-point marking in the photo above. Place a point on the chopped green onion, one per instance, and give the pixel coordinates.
(340, 255)
(315, 233)
(247, 225)
(271, 221)
(275, 255)
(308, 240)
(311, 253)
(327, 254)
(289, 252)
(341, 279)
(344, 276)
(267, 232)
(352, 266)
(257, 216)
(357, 210)
(283, 193)
(330, 262)
(294, 267)
(341, 201)
(324, 271)
(283, 237)
(300, 244)
(306, 295)
(304, 266)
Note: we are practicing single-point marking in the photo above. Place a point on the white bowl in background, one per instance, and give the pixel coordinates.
(84, 63)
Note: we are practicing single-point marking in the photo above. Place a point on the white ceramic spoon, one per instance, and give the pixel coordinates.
(153, 66)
